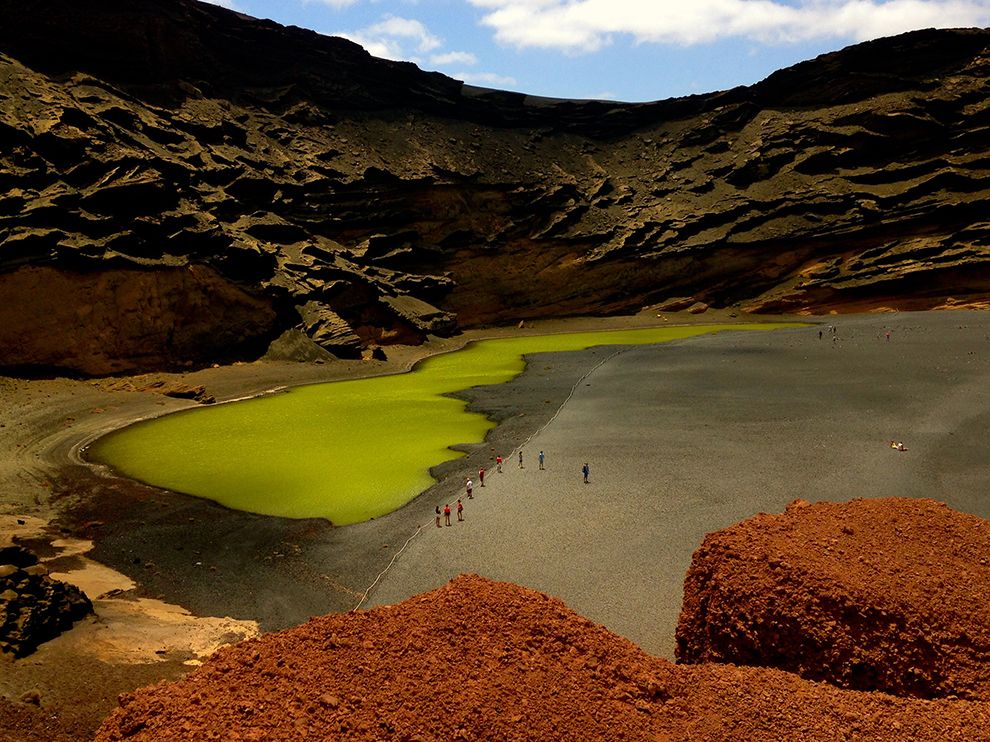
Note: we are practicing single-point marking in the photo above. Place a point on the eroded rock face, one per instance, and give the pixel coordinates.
(121, 320)
(369, 202)
(478, 659)
(890, 595)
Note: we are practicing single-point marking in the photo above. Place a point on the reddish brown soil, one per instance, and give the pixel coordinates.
(873, 594)
(478, 659)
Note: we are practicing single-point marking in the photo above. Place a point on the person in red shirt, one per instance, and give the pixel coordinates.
(446, 513)
(460, 511)
(481, 476)
(498, 463)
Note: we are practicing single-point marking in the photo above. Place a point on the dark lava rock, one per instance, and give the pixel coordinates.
(33, 607)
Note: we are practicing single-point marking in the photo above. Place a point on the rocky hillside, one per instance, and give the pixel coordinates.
(180, 184)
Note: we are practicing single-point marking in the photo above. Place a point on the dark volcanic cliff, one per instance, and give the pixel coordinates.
(181, 184)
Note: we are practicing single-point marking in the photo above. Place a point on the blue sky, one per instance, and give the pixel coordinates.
(630, 50)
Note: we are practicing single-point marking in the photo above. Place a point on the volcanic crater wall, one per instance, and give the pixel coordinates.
(366, 202)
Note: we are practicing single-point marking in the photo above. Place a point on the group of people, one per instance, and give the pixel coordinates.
(446, 511)
(831, 330)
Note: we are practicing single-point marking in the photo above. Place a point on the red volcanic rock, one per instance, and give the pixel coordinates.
(482, 660)
(887, 595)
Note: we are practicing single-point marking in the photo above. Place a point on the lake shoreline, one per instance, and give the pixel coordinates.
(210, 560)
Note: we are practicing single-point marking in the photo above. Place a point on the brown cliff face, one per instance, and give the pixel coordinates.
(109, 321)
(366, 202)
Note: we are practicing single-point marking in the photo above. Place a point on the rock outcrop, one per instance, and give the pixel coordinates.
(282, 180)
(33, 607)
(888, 595)
(478, 659)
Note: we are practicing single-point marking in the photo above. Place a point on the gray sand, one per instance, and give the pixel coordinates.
(689, 437)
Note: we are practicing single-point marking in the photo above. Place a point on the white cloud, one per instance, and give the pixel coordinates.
(410, 40)
(395, 38)
(485, 79)
(332, 3)
(578, 26)
(449, 58)
(224, 4)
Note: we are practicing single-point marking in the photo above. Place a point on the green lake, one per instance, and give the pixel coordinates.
(347, 451)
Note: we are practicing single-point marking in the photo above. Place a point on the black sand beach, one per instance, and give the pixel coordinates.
(685, 438)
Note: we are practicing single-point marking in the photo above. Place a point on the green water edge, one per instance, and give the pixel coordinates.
(347, 451)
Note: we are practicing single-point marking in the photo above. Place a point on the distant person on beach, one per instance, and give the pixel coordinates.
(819, 334)
(470, 488)
(888, 335)
(898, 446)
(446, 513)
(498, 463)
(481, 476)
(460, 510)
(438, 516)
(520, 459)
(586, 470)
(541, 459)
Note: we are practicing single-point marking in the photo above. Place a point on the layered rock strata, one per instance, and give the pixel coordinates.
(478, 659)
(890, 595)
(281, 181)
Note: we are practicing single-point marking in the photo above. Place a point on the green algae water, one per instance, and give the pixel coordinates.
(347, 451)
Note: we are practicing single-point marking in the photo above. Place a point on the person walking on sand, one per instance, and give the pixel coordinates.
(460, 511)
(520, 459)
(541, 460)
(481, 476)
(446, 513)
(498, 463)
(586, 470)
(438, 516)
(470, 488)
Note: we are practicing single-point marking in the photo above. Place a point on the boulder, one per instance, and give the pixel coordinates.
(890, 595)
(182, 390)
(35, 608)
